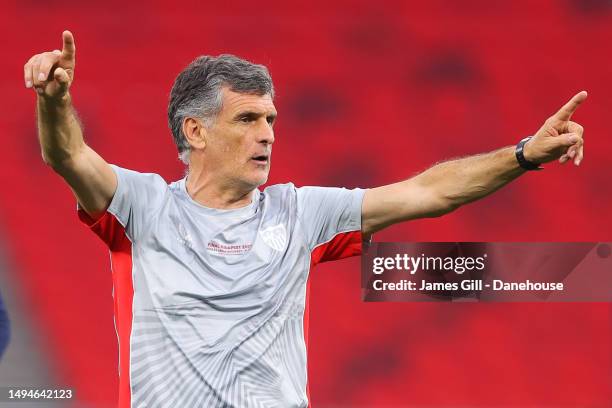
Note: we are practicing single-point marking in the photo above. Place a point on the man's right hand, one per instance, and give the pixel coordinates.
(91, 179)
(51, 73)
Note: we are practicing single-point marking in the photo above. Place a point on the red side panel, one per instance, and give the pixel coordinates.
(340, 246)
(113, 234)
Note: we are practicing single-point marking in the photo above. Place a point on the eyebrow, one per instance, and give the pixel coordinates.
(253, 115)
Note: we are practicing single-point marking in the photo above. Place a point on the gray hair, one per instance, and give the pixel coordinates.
(196, 91)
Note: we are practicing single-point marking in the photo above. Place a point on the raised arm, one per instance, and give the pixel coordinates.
(61, 139)
(447, 186)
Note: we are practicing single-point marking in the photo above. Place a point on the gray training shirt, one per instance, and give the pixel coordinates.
(210, 304)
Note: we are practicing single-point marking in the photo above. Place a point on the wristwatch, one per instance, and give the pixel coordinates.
(520, 157)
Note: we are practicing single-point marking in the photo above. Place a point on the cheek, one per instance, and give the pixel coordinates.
(226, 148)
(231, 148)
(235, 155)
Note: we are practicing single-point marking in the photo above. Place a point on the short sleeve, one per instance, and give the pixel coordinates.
(331, 219)
(134, 204)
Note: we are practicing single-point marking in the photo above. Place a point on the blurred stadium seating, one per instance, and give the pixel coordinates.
(367, 93)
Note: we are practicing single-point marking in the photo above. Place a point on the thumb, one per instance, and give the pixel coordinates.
(62, 78)
(567, 139)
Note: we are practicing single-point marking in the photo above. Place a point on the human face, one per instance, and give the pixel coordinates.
(239, 143)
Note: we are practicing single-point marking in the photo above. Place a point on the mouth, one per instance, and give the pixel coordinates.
(262, 159)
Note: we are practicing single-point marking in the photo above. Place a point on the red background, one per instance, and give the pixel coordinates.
(368, 93)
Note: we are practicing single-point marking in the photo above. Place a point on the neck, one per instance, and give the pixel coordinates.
(211, 193)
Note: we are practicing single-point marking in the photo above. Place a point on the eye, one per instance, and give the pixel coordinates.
(270, 120)
(245, 119)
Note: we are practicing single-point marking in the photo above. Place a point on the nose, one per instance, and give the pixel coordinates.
(265, 132)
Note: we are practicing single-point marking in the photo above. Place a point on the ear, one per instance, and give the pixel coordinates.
(195, 133)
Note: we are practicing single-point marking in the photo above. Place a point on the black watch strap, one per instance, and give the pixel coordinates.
(520, 157)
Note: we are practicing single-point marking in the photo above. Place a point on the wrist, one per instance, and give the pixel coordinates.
(55, 102)
(524, 156)
(527, 151)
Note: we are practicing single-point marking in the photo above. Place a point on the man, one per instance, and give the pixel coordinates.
(210, 273)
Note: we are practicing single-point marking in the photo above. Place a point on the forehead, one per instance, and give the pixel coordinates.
(234, 102)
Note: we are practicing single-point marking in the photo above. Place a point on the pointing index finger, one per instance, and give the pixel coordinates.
(68, 48)
(565, 113)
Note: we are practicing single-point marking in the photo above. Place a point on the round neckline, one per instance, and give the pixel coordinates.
(249, 208)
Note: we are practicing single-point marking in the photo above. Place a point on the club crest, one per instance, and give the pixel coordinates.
(275, 237)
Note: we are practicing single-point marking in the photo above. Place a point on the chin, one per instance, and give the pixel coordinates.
(258, 180)
(262, 181)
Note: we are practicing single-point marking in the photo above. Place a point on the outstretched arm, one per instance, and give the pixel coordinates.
(447, 186)
(61, 140)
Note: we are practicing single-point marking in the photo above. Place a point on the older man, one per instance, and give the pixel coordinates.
(210, 273)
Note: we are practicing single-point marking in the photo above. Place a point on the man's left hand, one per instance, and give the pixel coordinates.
(559, 138)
